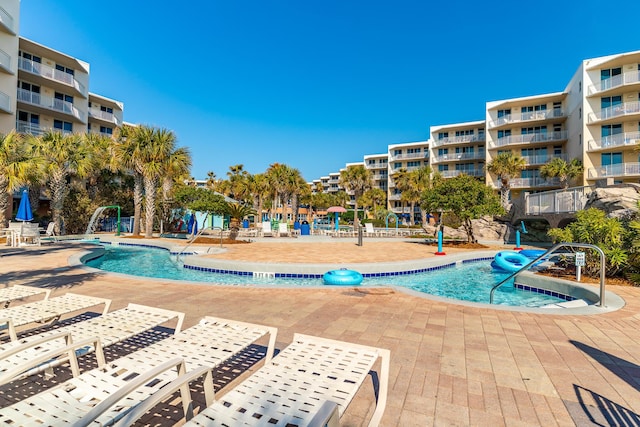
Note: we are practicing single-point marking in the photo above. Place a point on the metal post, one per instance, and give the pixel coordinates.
(360, 235)
(440, 244)
(517, 248)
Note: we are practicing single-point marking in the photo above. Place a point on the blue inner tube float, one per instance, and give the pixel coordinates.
(532, 253)
(342, 277)
(510, 261)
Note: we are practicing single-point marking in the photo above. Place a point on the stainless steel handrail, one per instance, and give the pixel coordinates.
(196, 238)
(555, 247)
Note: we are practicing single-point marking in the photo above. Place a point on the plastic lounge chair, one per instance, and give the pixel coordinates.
(107, 393)
(17, 292)
(22, 358)
(49, 233)
(369, 230)
(295, 387)
(46, 311)
(30, 234)
(283, 229)
(266, 229)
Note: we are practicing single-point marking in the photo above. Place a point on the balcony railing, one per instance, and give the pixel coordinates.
(50, 73)
(409, 156)
(557, 201)
(5, 102)
(530, 182)
(454, 173)
(541, 159)
(35, 129)
(613, 141)
(617, 170)
(459, 139)
(529, 138)
(458, 156)
(5, 60)
(394, 197)
(528, 116)
(104, 115)
(7, 20)
(619, 110)
(50, 103)
(630, 77)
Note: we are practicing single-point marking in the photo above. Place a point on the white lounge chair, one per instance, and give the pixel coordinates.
(50, 233)
(17, 292)
(108, 393)
(296, 386)
(30, 234)
(46, 311)
(266, 229)
(25, 357)
(283, 229)
(369, 230)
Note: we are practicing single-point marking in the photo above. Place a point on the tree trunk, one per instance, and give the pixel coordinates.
(150, 185)
(468, 225)
(34, 197)
(4, 200)
(504, 196)
(412, 208)
(137, 203)
(294, 206)
(58, 189)
(234, 228)
(356, 220)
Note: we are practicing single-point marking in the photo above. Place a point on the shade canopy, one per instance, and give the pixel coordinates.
(24, 210)
(336, 209)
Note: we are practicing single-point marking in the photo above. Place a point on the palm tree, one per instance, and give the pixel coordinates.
(373, 198)
(412, 185)
(177, 166)
(259, 188)
(14, 168)
(127, 158)
(356, 179)
(506, 166)
(64, 156)
(296, 185)
(563, 170)
(277, 174)
(237, 212)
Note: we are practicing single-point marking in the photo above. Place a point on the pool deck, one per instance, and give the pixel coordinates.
(451, 364)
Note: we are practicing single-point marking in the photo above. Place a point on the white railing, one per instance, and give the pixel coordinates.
(459, 139)
(454, 173)
(528, 116)
(612, 141)
(7, 20)
(618, 110)
(104, 115)
(50, 103)
(627, 78)
(541, 159)
(5, 60)
(50, 73)
(619, 169)
(5, 102)
(529, 138)
(394, 197)
(557, 201)
(36, 129)
(458, 156)
(409, 156)
(530, 182)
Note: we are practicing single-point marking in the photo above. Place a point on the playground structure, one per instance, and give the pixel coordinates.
(91, 227)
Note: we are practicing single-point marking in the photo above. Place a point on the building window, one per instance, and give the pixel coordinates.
(63, 97)
(110, 110)
(464, 132)
(610, 101)
(606, 74)
(29, 87)
(443, 168)
(534, 129)
(106, 130)
(65, 69)
(412, 164)
(504, 113)
(608, 159)
(397, 165)
(443, 151)
(30, 57)
(443, 135)
(26, 117)
(63, 126)
(504, 133)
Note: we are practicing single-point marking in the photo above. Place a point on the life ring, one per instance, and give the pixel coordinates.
(511, 261)
(532, 253)
(342, 277)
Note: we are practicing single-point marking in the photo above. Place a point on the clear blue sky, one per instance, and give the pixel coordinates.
(317, 84)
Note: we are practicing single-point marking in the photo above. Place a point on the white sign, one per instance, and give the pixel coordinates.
(580, 260)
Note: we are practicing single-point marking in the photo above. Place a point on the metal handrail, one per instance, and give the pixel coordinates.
(555, 247)
(196, 238)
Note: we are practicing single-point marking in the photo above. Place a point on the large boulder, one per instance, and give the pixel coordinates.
(615, 200)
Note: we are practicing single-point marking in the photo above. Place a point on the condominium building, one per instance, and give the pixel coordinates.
(458, 148)
(43, 89)
(378, 164)
(407, 156)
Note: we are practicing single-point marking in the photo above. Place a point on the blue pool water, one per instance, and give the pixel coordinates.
(467, 282)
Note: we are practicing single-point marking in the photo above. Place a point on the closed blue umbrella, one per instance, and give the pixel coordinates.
(24, 210)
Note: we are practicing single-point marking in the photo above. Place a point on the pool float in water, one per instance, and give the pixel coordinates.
(532, 253)
(510, 261)
(342, 277)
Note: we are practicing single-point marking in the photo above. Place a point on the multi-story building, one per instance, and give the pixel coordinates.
(458, 148)
(407, 156)
(378, 164)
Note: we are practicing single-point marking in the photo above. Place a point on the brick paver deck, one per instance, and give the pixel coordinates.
(450, 364)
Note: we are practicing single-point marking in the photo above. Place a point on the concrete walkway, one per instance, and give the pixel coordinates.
(450, 364)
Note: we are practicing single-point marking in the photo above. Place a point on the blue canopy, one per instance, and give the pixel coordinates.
(24, 210)
(192, 225)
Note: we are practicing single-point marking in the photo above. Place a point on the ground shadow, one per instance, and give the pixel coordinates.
(595, 409)
(625, 370)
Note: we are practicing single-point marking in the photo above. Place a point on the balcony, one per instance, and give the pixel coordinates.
(530, 116)
(379, 176)
(458, 156)
(518, 183)
(104, 116)
(7, 23)
(454, 173)
(614, 141)
(542, 159)
(462, 139)
(48, 103)
(5, 62)
(51, 74)
(529, 138)
(5, 103)
(627, 109)
(394, 197)
(410, 156)
(35, 129)
(615, 82)
(619, 170)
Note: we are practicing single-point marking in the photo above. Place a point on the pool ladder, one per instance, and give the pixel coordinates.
(554, 248)
(181, 252)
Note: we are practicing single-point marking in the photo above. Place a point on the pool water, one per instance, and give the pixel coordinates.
(468, 282)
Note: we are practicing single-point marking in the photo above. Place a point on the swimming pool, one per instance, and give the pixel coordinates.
(467, 282)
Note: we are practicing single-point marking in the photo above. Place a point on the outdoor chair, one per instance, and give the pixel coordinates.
(108, 393)
(369, 231)
(266, 229)
(50, 233)
(26, 357)
(30, 234)
(18, 292)
(283, 229)
(46, 311)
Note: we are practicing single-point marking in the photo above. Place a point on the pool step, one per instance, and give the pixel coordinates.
(568, 304)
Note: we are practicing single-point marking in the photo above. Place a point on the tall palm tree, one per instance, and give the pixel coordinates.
(412, 185)
(64, 156)
(506, 166)
(295, 187)
(176, 168)
(563, 170)
(259, 188)
(356, 179)
(277, 174)
(374, 197)
(127, 158)
(14, 168)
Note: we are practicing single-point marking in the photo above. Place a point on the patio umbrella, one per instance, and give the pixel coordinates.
(24, 210)
(192, 225)
(337, 210)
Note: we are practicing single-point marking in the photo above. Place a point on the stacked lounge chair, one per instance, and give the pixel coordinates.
(18, 292)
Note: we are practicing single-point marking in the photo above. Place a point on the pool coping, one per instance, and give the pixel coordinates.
(613, 301)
